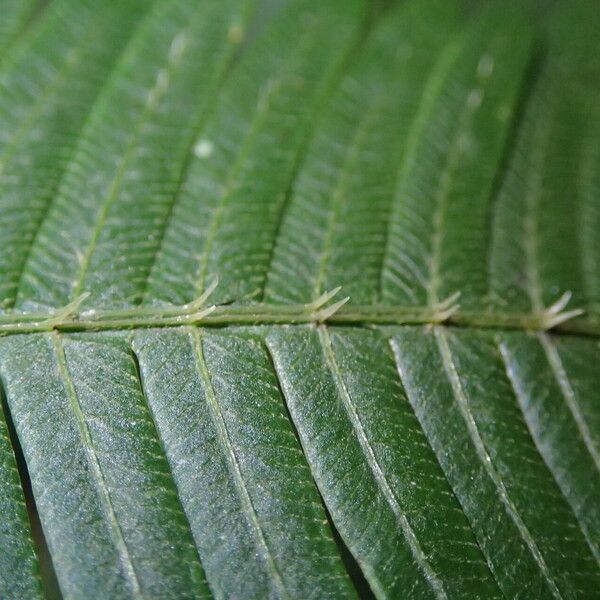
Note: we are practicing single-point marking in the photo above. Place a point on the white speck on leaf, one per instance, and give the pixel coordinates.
(485, 66)
(203, 148)
(178, 46)
(475, 98)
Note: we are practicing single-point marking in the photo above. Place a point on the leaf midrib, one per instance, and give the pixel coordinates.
(137, 317)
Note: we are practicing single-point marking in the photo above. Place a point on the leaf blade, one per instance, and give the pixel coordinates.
(236, 461)
(364, 467)
(19, 568)
(114, 497)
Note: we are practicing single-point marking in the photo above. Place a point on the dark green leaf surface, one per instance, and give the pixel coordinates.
(259, 524)
(432, 436)
(479, 435)
(46, 88)
(113, 520)
(379, 478)
(19, 570)
(551, 407)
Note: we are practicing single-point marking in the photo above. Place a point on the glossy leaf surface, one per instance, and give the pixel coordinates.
(191, 408)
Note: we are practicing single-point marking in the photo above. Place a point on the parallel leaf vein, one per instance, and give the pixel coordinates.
(352, 155)
(96, 470)
(486, 460)
(430, 95)
(234, 466)
(269, 92)
(562, 379)
(153, 99)
(417, 551)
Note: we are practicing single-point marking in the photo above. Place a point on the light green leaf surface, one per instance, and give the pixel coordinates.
(192, 408)
(338, 214)
(545, 233)
(438, 234)
(131, 157)
(16, 16)
(245, 157)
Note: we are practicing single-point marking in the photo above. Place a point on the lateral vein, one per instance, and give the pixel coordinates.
(96, 469)
(234, 466)
(562, 379)
(160, 88)
(382, 482)
(486, 460)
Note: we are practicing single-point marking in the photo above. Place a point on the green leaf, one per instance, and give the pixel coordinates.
(191, 407)
(545, 240)
(16, 15)
(481, 439)
(379, 478)
(246, 156)
(348, 197)
(544, 389)
(238, 464)
(18, 557)
(112, 517)
(438, 235)
(46, 88)
(130, 157)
